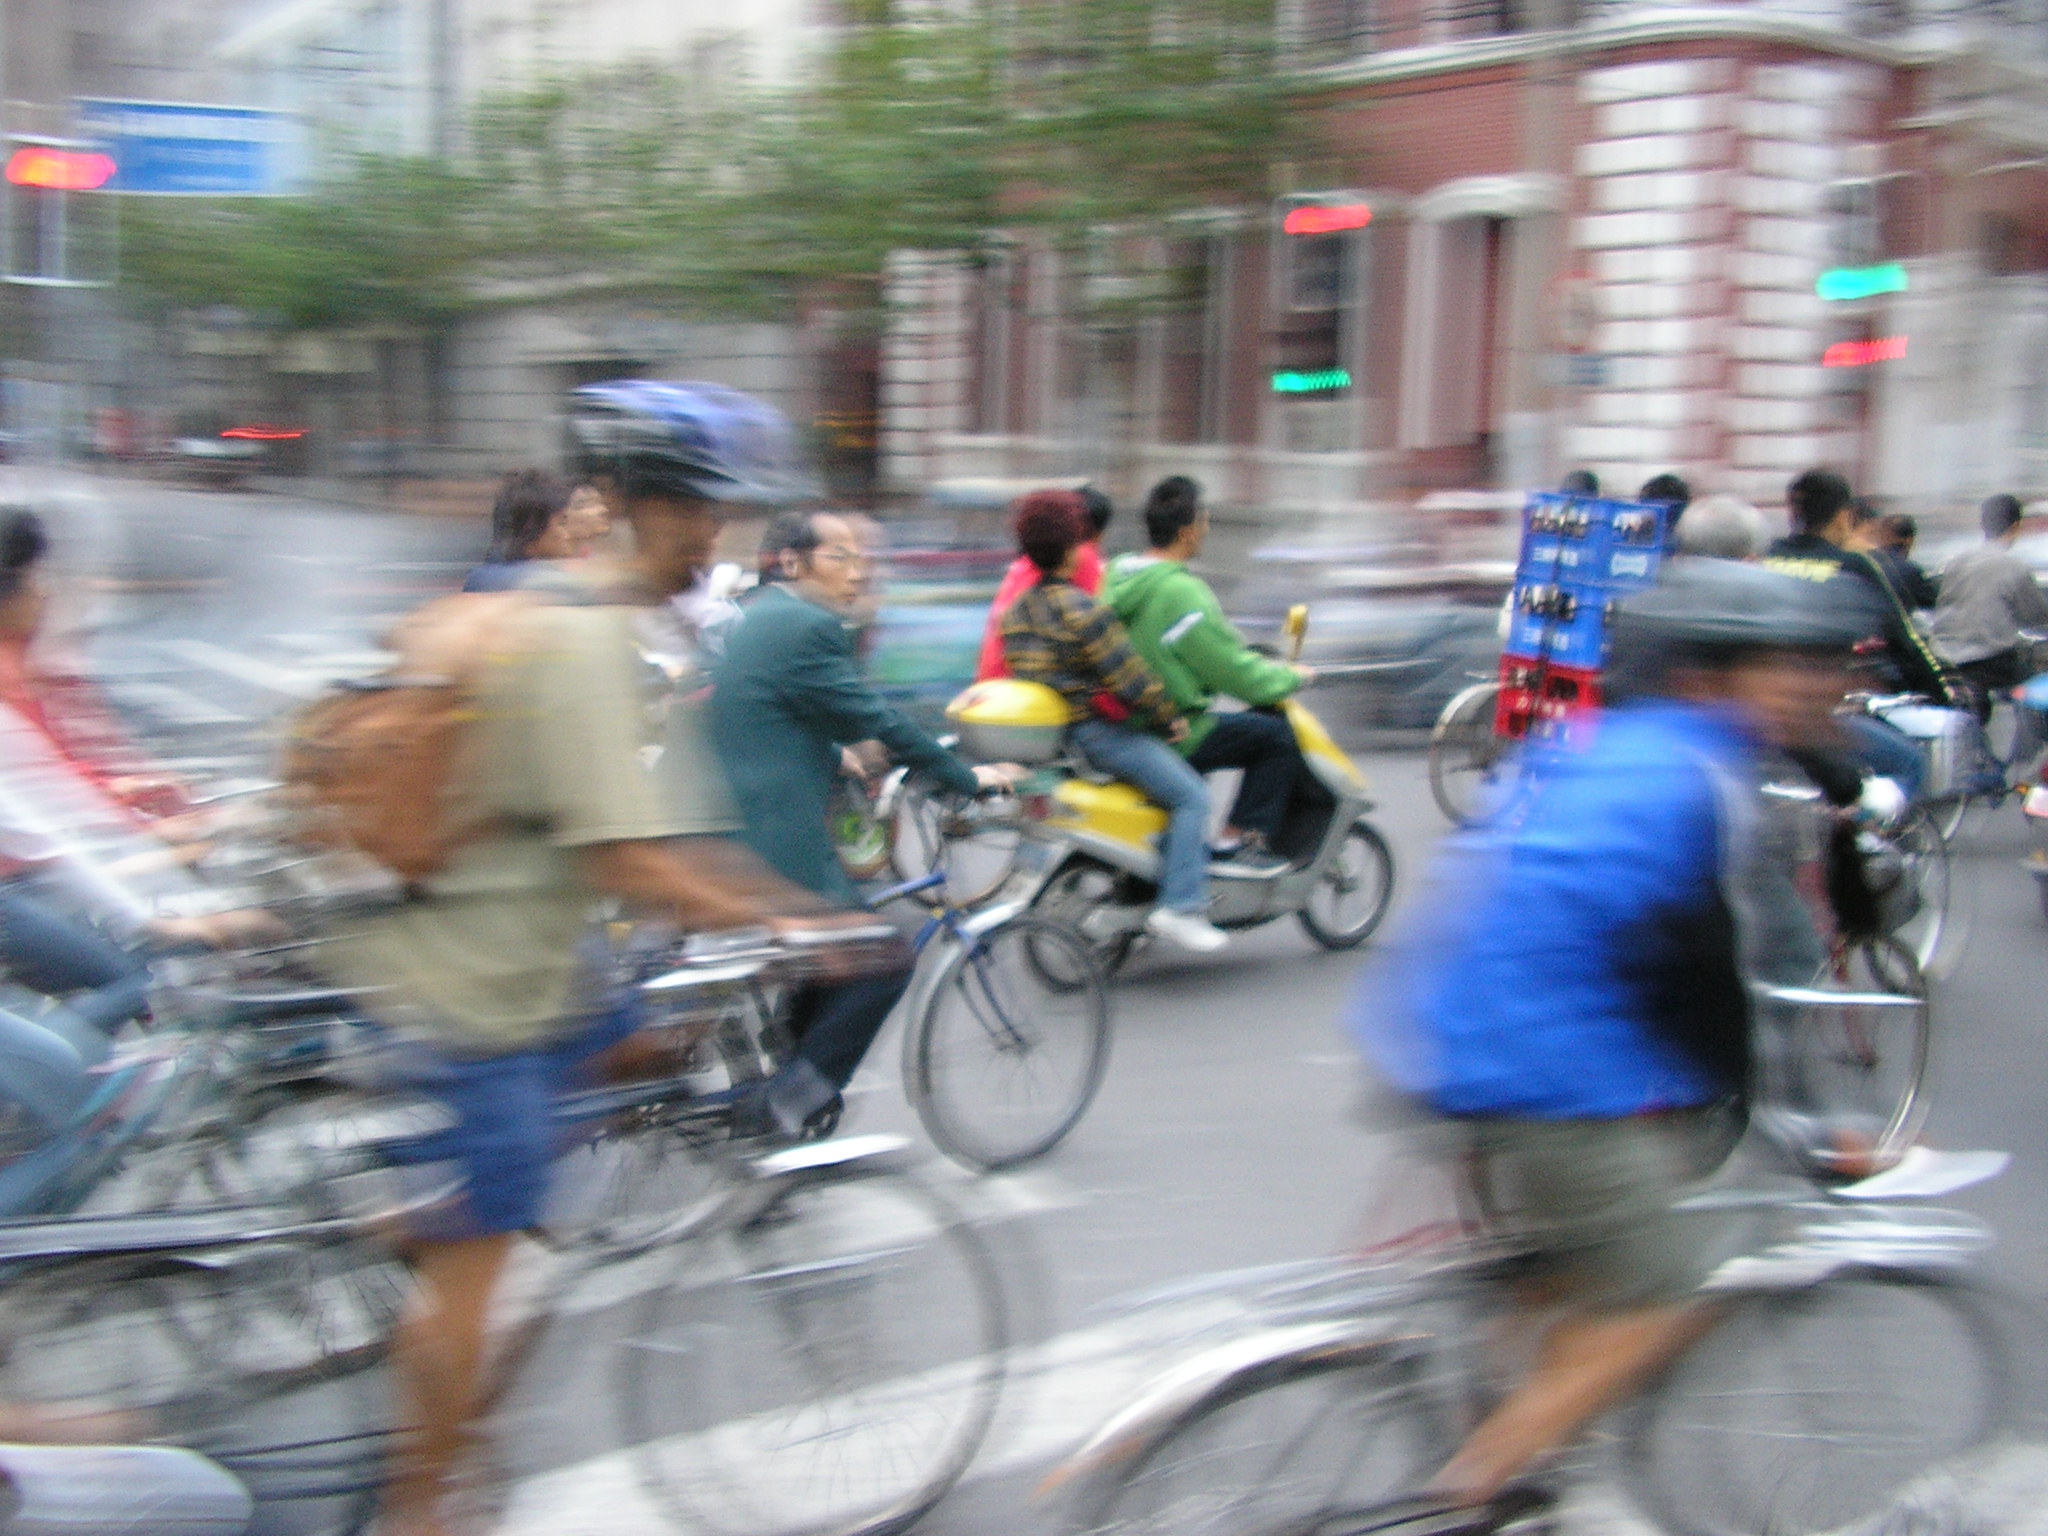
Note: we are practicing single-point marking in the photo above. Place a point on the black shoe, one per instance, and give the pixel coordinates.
(822, 1123)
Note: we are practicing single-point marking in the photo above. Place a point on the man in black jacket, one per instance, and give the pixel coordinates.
(1823, 518)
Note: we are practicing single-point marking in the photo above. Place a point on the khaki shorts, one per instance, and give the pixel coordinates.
(1594, 1202)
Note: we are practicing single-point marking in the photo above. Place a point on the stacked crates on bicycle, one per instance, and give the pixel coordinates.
(1579, 556)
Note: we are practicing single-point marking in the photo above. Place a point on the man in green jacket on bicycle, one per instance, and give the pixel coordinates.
(1177, 627)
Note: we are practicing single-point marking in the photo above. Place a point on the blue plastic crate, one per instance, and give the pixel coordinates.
(1573, 541)
(1575, 636)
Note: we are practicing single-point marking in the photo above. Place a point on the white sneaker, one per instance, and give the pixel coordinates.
(1190, 930)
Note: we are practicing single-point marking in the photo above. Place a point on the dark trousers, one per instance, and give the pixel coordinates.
(1989, 675)
(1887, 750)
(1263, 745)
(835, 1022)
(46, 950)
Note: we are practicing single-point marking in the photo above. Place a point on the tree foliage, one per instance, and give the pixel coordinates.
(921, 127)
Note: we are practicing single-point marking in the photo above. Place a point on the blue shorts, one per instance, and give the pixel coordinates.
(504, 1138)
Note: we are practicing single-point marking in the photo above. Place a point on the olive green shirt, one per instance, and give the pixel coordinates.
(575, 721)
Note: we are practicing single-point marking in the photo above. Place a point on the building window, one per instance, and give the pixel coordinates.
(1334, 28)
(994, 297)
(1192, 342)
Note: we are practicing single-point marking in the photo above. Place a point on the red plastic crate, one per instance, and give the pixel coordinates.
(1543, 699)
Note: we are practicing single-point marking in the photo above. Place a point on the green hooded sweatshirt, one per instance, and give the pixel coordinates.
(1177, 627)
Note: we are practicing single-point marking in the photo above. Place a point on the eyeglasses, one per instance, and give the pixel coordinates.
(836, 555)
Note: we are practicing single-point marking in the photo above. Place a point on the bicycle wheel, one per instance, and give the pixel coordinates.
(267, 1360)
(1010, 1044)
(625, 1185)
(930, 830)
(625, 1180)
(1816, 1410)
(1351, 899)
(1084, 898)
(1472, 771)
(1283, 1453)
(1930, 922)
(1949, 813)
(1861, 1071)
(260, 1148)
(828, 1366)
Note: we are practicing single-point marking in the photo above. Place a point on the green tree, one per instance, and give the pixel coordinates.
(392, 241)
(924, 127)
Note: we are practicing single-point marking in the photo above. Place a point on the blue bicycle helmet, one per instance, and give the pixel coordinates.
(687, 439)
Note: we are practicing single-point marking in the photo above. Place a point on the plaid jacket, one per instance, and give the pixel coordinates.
(1058, 635)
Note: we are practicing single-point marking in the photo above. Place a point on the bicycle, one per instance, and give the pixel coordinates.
(1341, 1386)
(1008, 1035)
(1474, 771)
(819, 1279)
(969, 840)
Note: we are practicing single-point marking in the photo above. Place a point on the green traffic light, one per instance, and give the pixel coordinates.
(1318, 382)
(1861, 282)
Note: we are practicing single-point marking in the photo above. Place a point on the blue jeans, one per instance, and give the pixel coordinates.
(1888, 751)
(40, 1074)
(1162, 773)
(49, 951)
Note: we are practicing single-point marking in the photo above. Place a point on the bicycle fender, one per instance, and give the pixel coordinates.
(1915, 1241)
(1090, 1474)
(989, 918)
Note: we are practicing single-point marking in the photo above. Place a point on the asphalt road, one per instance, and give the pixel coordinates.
(1224, 1135)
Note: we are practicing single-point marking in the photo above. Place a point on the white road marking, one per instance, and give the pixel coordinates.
(306, 681)
(174, 706)
(293, 682)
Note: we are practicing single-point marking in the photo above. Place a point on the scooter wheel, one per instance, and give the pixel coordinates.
(1350, 899)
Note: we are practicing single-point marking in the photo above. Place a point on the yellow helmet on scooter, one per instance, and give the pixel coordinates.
(1007, 720)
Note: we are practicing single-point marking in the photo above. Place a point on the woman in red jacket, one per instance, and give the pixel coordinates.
(1023, 575)
(65, 789)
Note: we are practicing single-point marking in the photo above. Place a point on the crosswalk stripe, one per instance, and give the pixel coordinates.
(173, 706)
(293, 682)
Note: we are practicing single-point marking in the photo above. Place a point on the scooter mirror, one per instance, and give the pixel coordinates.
(1296, 630)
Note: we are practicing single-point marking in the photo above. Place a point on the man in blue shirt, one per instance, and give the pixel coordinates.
(1576, 996)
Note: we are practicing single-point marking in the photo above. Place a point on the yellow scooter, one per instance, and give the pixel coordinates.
(1089, 849)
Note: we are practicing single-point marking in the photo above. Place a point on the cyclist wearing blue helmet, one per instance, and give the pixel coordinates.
(590, 783)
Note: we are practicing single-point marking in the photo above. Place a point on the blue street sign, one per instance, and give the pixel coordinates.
(177, 149)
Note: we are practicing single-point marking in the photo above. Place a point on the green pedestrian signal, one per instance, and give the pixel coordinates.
(1861, 282)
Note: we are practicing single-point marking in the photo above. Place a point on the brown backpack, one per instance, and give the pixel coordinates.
(372, 767)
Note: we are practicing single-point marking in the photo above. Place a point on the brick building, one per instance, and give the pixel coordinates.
(1591, 245)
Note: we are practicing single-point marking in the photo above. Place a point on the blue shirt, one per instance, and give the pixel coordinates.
(1581, 965)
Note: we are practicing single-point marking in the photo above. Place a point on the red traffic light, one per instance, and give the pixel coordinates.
(1861, 354)
(59, 170)
(1326, 220)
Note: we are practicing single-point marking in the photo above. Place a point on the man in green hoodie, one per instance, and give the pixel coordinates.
(1177, 627)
